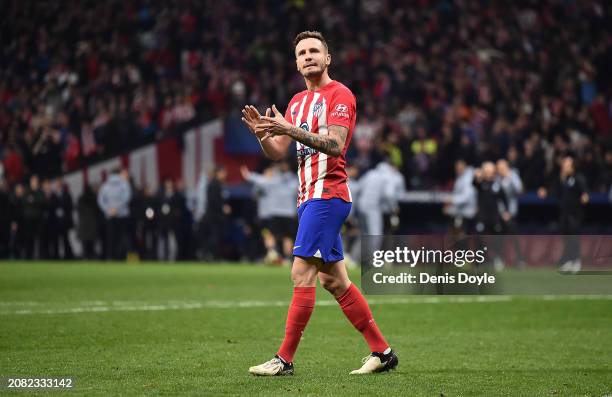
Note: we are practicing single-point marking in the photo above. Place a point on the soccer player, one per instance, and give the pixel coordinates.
(321, 120)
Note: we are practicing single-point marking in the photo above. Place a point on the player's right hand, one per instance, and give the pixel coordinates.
(251, 117)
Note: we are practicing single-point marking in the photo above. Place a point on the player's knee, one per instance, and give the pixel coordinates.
(303, 278)
(303, 281)
(331, 284)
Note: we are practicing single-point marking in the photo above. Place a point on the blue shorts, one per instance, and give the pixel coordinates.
(318, 235)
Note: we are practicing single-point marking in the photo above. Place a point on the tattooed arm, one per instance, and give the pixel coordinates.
(331, 144)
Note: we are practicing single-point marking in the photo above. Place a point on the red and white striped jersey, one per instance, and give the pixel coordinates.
(322, 176)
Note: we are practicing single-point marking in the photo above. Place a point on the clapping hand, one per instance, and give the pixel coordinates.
(252, 119)
(273, 126)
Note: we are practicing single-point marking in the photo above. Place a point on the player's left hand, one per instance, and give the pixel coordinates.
(273, 126)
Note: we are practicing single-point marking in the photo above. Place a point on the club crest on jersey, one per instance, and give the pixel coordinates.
(304, 126)
(317, 108)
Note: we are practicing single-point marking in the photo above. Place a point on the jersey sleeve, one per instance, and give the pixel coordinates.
(342, 109)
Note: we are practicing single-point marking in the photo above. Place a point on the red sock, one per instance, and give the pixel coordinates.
(299, 313)
(356, 309)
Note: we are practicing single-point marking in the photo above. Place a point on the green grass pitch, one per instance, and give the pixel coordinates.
(165, 330)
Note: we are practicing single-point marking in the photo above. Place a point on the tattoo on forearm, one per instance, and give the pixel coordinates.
(328, 144)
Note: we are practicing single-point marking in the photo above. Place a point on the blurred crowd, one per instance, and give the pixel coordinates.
(113, 220)
(117, 220)
(435, 80)
(442, 88)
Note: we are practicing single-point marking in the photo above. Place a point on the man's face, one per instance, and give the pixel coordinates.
(46, 186)
(222, 174)
(169, 186)
(311, 57)
(567, 165)
(502, 168)
(459, 167)
(488, 170)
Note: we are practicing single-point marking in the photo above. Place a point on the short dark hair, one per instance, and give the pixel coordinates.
(310, 34)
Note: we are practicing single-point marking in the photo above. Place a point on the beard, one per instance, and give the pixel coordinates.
(313, 72)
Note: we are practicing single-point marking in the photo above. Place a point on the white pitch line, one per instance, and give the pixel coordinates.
(118, 306)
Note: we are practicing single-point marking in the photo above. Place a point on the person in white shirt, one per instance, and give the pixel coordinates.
(276, 200)
(463, 204)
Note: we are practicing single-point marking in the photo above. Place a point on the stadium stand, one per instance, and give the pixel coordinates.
(436, 81)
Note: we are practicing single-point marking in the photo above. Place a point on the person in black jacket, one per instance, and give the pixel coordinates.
(50, 226)
(571, 191)
(17, 238)
(185, 226)
(146, 219)
(89, 215)
(492, 209)
(215, 216)
(169, 217)
(6, 219)
(491, 197)
(31, 225)
(64, 218)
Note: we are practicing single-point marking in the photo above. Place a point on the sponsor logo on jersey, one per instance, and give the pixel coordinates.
(341, 108)
(307, 151)
(341, 111)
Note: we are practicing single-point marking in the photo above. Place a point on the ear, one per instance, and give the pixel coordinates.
(328, 59)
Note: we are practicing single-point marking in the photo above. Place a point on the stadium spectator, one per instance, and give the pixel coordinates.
(199, 208)
(186, 240)
(17, 242)
(169, 213)
(146, 214)
(88, 216)
(351, 238)
(379, 191)
(394, 189)
(31, 225)
(491, 197)
(276, 192)
(215, 218)
(462, 205)
(13, 165)
(50, 227)
(113, 199)
(6, 219)
(570, 189)
(510, 182)
(492, 210)
(65, 221)
(512, 186)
